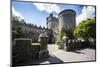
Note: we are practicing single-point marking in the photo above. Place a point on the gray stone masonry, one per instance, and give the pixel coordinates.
(21, 50)
(43, 40)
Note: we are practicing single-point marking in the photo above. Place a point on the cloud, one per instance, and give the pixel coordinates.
(49, 8)
(16, 13)
(87, 12)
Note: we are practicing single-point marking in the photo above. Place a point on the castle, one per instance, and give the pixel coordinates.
(65, 19)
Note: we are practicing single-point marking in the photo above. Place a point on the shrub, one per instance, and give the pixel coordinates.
(60, 38)
(60, 44)
(34, 41)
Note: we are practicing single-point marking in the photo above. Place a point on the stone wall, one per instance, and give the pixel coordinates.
(23, 50)
(73, 44)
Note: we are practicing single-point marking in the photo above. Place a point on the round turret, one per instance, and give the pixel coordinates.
(67, 19)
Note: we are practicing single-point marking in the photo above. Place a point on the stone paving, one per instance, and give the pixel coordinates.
(61, 56)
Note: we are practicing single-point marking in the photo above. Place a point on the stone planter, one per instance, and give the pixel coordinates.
(43, 40)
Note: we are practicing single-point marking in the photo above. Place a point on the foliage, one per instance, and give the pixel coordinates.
(16, 27)
(62, 33)
(86, 29)
(69, 34)
(60, 36)
(34, 41)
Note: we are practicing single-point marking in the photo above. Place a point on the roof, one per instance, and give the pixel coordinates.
(66, 11)
(43, 35)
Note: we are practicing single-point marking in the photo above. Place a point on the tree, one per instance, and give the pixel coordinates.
(61, 33)
(16, 27)
(69, 34)
(86, 29)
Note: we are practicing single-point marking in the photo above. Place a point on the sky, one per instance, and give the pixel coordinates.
(36, 13)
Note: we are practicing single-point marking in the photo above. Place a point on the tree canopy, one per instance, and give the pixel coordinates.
(16, 27)
(86, 29)
(61, 33)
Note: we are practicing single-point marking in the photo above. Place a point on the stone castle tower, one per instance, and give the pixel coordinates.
(52, 24)
(66, 19)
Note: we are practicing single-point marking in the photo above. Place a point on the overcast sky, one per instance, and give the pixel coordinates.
(36, 13)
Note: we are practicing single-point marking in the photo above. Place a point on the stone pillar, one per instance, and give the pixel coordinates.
(79, 43)
(74, 45)
(65, 43)
(43, 40)
(69, 45)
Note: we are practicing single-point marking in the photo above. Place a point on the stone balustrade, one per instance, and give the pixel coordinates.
(71, 44)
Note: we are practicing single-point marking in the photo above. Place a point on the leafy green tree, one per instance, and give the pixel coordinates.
(86, 29)
(64, 32)
(16, 27)
(69, 34)
(61, 33)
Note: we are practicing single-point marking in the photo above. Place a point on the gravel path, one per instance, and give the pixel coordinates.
(61, 56)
